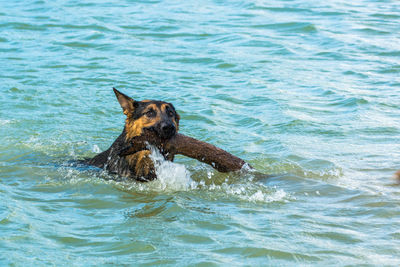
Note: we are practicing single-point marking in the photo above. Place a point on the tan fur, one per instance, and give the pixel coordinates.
(135, 127)
(176, 122)
(141, 164)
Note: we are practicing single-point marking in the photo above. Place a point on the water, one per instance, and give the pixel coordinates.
(305, 91)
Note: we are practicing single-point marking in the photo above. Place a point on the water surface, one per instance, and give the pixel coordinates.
(305, 91)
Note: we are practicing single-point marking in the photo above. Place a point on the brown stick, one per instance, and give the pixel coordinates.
(139, 143)
(190, 147)
(204, 152)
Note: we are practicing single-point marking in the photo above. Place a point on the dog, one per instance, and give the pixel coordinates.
(150, 118)
(156, 123)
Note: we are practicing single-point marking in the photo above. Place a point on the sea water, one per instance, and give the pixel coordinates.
(307, 92)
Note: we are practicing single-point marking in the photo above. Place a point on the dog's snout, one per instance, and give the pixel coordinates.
(168, 130)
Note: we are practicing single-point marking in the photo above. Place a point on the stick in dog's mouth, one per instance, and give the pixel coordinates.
(219, 159)
(156, 123)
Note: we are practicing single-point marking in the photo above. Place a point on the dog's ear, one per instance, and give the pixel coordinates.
(127, 103)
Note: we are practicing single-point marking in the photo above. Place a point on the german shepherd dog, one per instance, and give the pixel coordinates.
(148, 116)
(151, 122)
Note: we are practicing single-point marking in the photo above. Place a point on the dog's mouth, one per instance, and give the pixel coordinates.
(164, 131)
(167, 131)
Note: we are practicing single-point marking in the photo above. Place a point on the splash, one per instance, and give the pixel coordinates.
(170, 176)
(4, 122)
(96, 149)
(174, 177)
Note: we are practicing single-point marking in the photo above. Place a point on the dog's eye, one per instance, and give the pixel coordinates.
(151, 113)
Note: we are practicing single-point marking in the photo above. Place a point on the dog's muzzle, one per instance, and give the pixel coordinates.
(167, 130)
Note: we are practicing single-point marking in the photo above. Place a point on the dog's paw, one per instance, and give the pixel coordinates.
(142, 165)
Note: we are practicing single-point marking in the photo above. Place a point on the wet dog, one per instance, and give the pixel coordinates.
(157, 119)
(156, 123)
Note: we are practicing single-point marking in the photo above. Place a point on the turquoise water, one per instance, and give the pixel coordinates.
(305, 91)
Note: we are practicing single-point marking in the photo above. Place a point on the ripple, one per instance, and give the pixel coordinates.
(213, 226)
(283, 9)
(332, 55)
(373, 31)
(195, 239)
(392, 69)
(117, 248)
(175, 35)
(225, 66)
(85, 45)
(95, 36)
(386, 15)
(255, 252)
(349, 102)
(338, 237)
(92, 27)
(389, 54)
(198, 60)
(23, 26)
(307, 93)
(296, 27)
(353, 73)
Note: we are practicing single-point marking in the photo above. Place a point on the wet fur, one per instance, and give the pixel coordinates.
(156, 118)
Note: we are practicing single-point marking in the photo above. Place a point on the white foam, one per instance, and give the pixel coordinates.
(173, 177)
(96, 149)
(276, 196)
(170, 176)
(253, 192)
(4, 122)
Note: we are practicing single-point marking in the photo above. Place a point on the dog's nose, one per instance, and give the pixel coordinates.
(168, 130)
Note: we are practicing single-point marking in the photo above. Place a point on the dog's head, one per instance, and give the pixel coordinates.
(148, 115)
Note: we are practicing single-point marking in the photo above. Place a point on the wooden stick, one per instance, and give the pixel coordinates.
(204, 152)
(180, 144)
